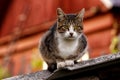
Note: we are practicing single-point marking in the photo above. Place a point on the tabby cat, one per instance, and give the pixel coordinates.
(64, 43)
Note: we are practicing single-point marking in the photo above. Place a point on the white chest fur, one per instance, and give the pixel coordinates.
(67, 48)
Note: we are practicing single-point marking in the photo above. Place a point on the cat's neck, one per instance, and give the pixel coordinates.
(67, 47)
(67, 44)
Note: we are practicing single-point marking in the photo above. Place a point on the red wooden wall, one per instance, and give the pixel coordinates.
(26, 20)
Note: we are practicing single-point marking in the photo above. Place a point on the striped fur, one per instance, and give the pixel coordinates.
(66, 34)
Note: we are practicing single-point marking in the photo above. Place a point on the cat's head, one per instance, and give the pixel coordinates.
(69, 26)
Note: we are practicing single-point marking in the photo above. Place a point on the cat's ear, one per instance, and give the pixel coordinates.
(60, 14)
(80, 15)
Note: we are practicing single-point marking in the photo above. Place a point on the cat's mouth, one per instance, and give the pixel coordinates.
(70, 38)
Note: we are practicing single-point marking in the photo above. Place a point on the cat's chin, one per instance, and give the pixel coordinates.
(70, 38)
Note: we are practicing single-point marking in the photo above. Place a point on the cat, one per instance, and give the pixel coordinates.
(64, 43)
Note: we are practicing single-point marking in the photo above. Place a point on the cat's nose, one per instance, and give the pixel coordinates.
(71, 34)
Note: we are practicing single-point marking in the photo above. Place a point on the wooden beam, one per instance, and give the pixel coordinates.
(90, 26)
(98, 23)
(20, 45)
(28, 31)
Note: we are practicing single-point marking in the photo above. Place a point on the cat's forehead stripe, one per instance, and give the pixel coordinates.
(71, 16)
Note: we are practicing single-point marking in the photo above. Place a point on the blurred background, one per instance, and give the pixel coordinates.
(23, 22)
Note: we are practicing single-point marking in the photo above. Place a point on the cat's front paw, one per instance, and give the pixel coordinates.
(61, 64)
(65, 63)
(69, 62)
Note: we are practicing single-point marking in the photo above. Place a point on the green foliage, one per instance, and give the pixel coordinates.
(4, 73)
(114, 45)
(36, 61)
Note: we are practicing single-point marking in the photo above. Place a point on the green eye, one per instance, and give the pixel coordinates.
(61, 29)
(78, 29)
(65, 26)
(75, 27)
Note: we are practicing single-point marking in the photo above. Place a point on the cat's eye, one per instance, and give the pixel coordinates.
(65, 26)
(78, 29)
(75, 27)
(61, 29)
